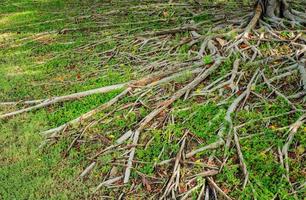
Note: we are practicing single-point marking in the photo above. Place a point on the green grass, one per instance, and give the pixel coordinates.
(34, 66)
(40, 68)
(28, 173)
(49, 65)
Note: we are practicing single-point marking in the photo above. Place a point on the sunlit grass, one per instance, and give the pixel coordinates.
(38, 62)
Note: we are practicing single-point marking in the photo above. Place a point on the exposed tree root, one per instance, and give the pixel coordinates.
(54, 100)
(242, 163)
(292, 130)
(88, 114)
(176, 171)
(70, 97)
(254, 21)
(13, 103)
(214, 185)
(236, 89)
(165, 105)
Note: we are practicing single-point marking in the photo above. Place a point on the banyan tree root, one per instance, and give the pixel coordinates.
(242, 99)
(292, 131)
(54, 100)
(276, 10)
(176, 171)
(164, 106)
(238, 81)
(88, 114)
(44, 103)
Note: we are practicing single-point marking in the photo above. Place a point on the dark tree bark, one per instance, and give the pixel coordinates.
(278, 10)
(275, 8)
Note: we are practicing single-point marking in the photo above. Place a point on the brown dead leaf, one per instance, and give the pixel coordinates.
(109, 54)
(146, 184)
(211, 163)
(225, 190)
(243, 46)
(227, 87)
(193, 159)
(166, 14)
(60, 78)
(292, 155)
(182, 188)
(221, 41)
(239, 92)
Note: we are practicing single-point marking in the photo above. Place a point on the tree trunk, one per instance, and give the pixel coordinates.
(275, 9)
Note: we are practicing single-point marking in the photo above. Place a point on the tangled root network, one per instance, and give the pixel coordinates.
(236, 64)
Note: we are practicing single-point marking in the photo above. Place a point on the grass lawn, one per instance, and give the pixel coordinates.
(56, 47)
